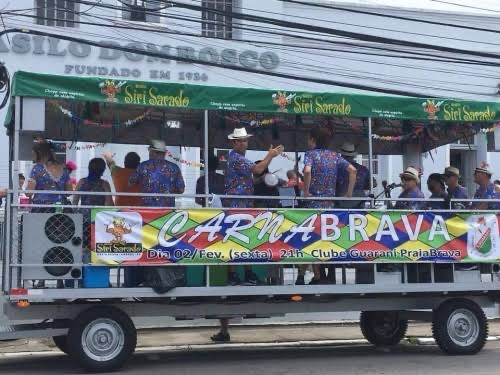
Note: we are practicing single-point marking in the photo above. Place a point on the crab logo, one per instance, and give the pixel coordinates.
(110, 89)
(432, 108)
(118, 228)
(281, 99)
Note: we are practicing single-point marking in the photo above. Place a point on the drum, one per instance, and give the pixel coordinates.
(271, 180)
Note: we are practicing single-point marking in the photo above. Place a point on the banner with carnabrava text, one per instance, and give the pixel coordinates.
(216, 236)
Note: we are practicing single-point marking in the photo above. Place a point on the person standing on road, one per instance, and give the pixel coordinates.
(239, 181)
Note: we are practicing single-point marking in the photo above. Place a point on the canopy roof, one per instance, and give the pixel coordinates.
(138, 110)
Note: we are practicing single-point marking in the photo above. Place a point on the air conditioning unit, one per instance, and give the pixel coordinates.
(54, 241)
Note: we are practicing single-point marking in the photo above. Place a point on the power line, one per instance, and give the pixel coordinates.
(432, 57)
(466, 6)
(324, 6)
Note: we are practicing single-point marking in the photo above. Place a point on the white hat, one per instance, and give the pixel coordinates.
(412, 173)
(348, 149)
(239, 133)
(452, 171)
(484, 167)
(158, 145)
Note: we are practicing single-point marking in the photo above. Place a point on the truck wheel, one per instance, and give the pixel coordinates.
(61, 343)
(102, 339)
(459, 326)
(383, 328)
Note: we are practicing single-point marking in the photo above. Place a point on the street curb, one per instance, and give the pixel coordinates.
(242, 346)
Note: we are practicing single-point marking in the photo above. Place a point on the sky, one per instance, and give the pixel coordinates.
(485, 7)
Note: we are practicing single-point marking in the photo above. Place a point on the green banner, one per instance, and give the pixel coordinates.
(173, 95)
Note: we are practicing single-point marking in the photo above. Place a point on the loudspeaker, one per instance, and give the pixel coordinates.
(50, 239)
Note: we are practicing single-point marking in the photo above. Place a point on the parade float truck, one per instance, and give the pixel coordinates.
(392, 265)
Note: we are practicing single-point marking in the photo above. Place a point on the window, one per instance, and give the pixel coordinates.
(215, 24)
(56, 12)
(141, 10)
(365, 162)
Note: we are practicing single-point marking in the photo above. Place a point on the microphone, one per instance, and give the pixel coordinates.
(394, 186)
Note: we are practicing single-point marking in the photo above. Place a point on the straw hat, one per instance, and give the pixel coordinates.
(451, 171)
(412, 173)
(157, 145)
(348, 149)
(484, 168)
(239, 133)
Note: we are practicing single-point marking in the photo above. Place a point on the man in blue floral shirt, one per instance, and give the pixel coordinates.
(158, 176)
(239, 181)
(240, 170)
(409, 181)
(486, 190)
(455, 190)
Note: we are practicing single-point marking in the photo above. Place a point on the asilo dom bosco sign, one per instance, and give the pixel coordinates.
(22, 44)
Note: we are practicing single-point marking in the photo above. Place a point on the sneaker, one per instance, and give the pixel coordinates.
(233, 279)
(300, 280)
(251, 279)
(221, 337)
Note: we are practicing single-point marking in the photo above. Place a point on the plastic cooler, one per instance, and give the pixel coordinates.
(96, 277)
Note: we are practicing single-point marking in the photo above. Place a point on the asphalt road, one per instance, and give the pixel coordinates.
(359, 359)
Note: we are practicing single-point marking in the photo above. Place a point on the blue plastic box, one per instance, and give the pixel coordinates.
(95, 277)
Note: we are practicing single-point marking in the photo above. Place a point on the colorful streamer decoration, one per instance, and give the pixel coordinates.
(388, 138)
(108, 125)
(490, 130)
(189, 163)
(86, 147)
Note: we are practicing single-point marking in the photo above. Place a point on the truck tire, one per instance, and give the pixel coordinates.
(459, 326)
(383, 328)
(102, 339)
(61, 343)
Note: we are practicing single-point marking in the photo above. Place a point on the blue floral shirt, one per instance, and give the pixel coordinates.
(362, 180)
(459, 193)
(438, 205)
(158, 177)
(45, 181)
(238, 180)
(487, 193)
(325, 168)
(410, 204)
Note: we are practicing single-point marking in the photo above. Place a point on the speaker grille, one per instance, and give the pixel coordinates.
(60, 228)
(58, 255)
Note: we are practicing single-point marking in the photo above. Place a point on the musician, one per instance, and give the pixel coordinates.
(239, 181)
(158, 176)
(486, 189)
(455, 190)
(321, 168)
(348, 152)
(410, 179)
(435, 184)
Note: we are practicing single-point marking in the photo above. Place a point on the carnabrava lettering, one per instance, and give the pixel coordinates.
(141, 94)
